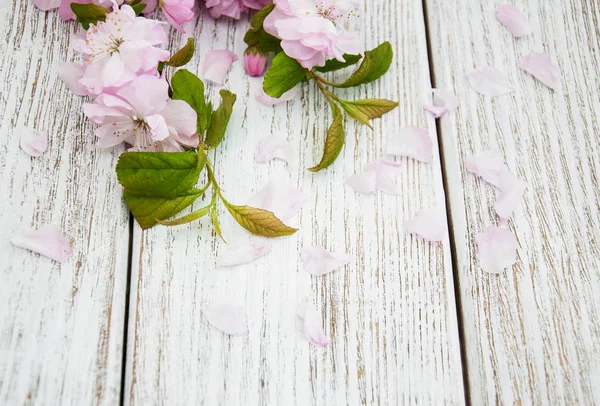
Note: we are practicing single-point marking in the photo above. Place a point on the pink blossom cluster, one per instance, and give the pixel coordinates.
(233, 8)
(130, 101)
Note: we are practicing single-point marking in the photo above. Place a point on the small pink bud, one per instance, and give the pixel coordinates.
(254, 61)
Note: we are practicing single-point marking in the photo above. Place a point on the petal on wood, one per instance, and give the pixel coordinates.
(271, 147)
(443, 102)
(365, 183)
(413, 142)
(429, 224)
(488, 165)
(318, 261)
(490, 81)
(313, 324)
(511, 194)
(386, 173)
(541, 68)
(48, 241)
(243, 253)
(216, 65)
(228, 318)
(514, 20)
(33, 142)
(267, 100)
(279, 198)
(497, 249)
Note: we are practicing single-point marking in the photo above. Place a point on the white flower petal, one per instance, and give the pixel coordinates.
(271, 147)
(267, 100)
(33, 142)
(511, 193)
(318, 261)
(279, 198)
(216, 65)
(365, 183)
(48, 241)
(488, 165)
(541, 68)
(313, 324)
(497, 249)
(228, 318)
(490, 81)
(243, 253)
(429, 224)
(413, 142)
(514, 20)
(443, 102)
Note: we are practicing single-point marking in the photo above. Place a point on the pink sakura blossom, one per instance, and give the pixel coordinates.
(255, 61)
(233, 8)
(46, 5)
(141, 114)
(119, 49)
(65, 12)
(178, 12)
(312, 31)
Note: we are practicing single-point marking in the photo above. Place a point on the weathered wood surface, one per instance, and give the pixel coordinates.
(390, 313)
(61, 327)
(532, 336)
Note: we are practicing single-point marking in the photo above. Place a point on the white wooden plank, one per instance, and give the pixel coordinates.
(532, 335)
(390, 313)
(61, 327)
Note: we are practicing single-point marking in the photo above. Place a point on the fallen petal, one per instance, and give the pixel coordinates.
(413, 142)
(267, 100)
(243, 253)
(490, 81)
(365, 183)
(48, 241)
(271, 147)
(46, 5)
(443, 102)
(435, 111)
(279, 198)
(216, 65)
(429, 224)
(318, 261)
(70, 73)
(497, 249)
(511, 193)
(541, 68)
(228, 318)
(313, 324)
(385, 175)
(514, 20)
(488, 165)
(33, 142)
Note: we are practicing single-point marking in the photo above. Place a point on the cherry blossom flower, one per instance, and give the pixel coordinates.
(120, 48)
(66, 13)
(255, 61)
(178, 11)
(312, 31)
(233, 8)
(141, 114)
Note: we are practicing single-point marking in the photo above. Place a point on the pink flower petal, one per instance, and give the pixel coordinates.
(429, 224)
(541, 68)
(490, 81)
(318, 261)
(243, 253)
(511, 193)
(378, 175)
(435, 111)
(514, 20)
(70, 73)
(33, 142)
(46, 5)
(228, 318)
(271, 147)
(443, 102)
(217, 64)
(497, 249)
(48, 241)
(413, 142)
(365, 183)
(279, 198)
(313, 324)
(488, 165)
(267, 100)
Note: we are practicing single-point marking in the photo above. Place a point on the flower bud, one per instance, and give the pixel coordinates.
(254, 61)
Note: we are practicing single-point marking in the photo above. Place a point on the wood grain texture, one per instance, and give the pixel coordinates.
(532, 335)
(390, 313)
(61, 326)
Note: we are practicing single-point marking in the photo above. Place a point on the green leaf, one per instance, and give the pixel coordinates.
(183, 56)
(215, 222)
(159, 185)
(88, 14)
(258, 221)
(367, 109)
(137, 6)
(284, 74)
(205, 119)
(220, 118)
(375, 64)
(253, 34)
(189, 88)
(188, 218)
(333, 64)
(269, 43)
(334, 140)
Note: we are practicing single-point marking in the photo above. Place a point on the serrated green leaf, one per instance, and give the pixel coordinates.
(204, 120)
(333, 64)
(269, 43)
(374, 65)
(334, 141)
(147, 210)
(215, 222)
(87, 14)
(252, 36)
(284, 74)
(220, 119)
(189, 88)
(188, 218)
(183, 56)
(258, 221)
(367, 109)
